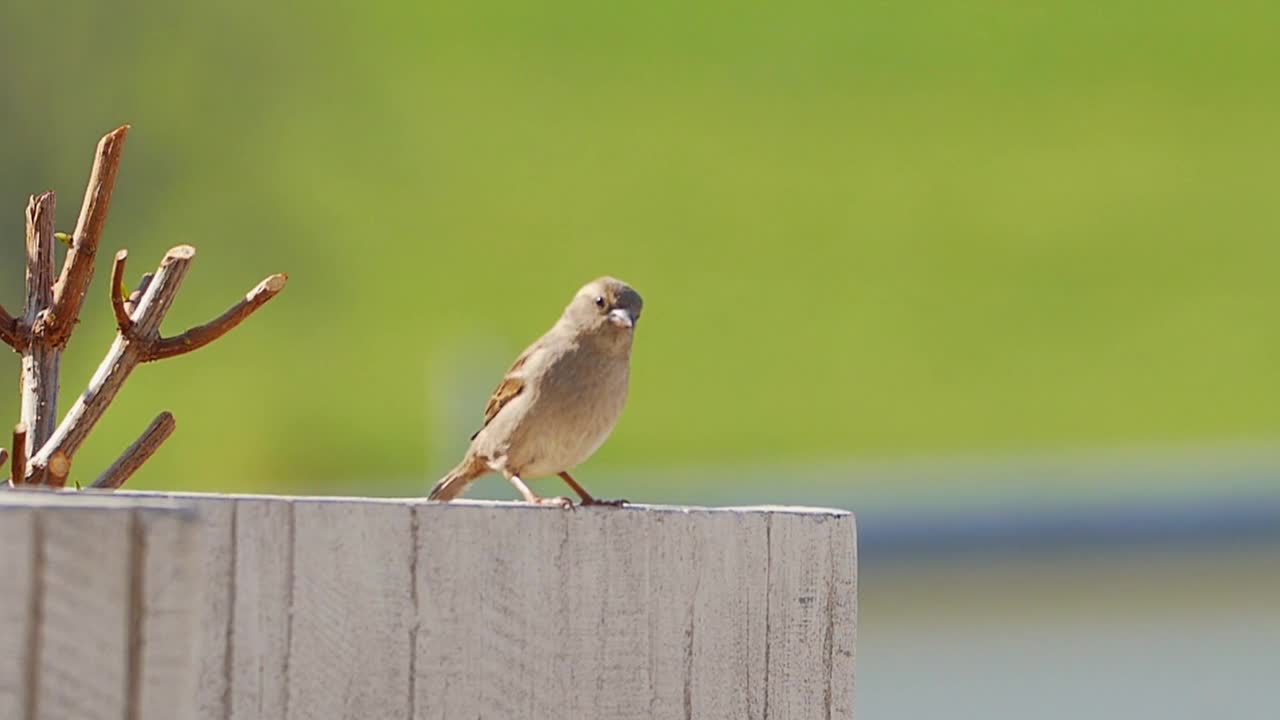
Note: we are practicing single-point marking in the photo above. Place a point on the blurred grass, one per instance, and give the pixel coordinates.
(861, 229)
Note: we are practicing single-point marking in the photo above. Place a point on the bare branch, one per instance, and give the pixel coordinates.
(132, 301)
(125, 354)
(40, 358)
(198, 337)
(138, 453)
(11, 331)
(117, 292)
(77, 269)
(19, 467)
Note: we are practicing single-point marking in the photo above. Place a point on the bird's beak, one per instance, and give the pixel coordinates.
(622, 318)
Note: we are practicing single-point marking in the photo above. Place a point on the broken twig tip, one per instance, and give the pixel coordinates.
(19, 465)
(181, 252)
(59, 469)
(276, 282)
(119, 304)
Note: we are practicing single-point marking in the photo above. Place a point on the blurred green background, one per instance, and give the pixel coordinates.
(863, 230)
(949, 264)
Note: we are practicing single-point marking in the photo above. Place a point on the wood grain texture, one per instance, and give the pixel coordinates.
(18, 611)
(86, 622)
(351, 623)
(166, 614)
(106, 626)
(216, 567)
(357, 608)
(601, 613)
(259, 639)
(844, 551)
(805, 609)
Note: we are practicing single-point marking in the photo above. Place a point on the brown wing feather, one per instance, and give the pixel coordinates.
(509, 388)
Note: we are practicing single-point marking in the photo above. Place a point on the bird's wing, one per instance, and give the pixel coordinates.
(511, 386)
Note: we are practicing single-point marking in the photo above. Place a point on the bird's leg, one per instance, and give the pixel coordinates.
(587, 499)
(532, 499)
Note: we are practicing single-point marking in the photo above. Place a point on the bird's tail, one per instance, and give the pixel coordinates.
(452, 485)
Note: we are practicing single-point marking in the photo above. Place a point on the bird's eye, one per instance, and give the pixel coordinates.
(599, 301)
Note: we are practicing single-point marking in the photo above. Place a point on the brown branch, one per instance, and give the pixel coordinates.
(19, 466)
(138, 453)
(125, 354)
(117, 292)
(11, 331)
(41, 357)
(198, 337)
(77, 269)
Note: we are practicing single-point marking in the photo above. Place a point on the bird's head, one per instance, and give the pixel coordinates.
(605, 306)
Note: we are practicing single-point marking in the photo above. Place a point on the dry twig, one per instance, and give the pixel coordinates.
(43, 453)
(126, 352)
(77, 269)
(140, 341)
(10, 331)
(19, 466)
(138, 453)
(40, 357)
(118, 292)
(198, 337)
(131, 303)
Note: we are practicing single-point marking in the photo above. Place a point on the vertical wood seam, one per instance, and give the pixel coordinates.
(829, 638)
(289, 573)
(693, 613)
(768, 606)
(417, 611)
(137, 588)
(650, 524)
(228, 654)
(36, 615)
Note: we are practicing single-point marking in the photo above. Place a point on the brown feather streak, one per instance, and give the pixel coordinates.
(508, 389)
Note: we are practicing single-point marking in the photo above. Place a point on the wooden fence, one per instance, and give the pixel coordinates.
(209, 607)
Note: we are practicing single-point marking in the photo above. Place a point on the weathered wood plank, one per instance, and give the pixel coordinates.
(262, 587)
(98, 640)
(726, 678)
(216, 565)
(352, 618)
(18, 613)
(167, 618)
(844, 617)
(83, 668)
(604, 613)
(478, 621)
(354, 608)
(801, 617)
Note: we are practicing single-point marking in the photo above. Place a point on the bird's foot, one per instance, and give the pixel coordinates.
(602, 503)
(561, 502)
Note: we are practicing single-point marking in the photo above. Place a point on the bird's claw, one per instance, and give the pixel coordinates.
(561, 502)
(603, 503)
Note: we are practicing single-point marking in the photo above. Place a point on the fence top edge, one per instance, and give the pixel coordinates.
(464, 505)
(45, 498)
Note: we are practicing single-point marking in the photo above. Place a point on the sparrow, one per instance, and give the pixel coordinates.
(559, 401)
